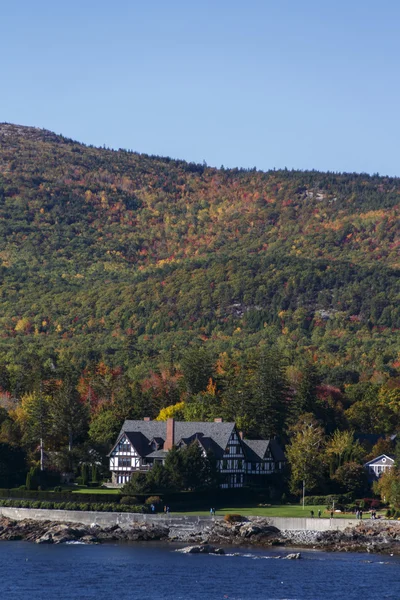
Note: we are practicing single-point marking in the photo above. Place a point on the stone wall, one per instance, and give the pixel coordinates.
(183, 522)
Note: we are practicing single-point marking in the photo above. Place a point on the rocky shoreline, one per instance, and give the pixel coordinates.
(367, 536)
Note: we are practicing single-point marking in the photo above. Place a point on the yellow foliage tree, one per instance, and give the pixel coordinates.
(175, 411)
(22, 325)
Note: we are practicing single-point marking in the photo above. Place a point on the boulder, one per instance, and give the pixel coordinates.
(203, 549)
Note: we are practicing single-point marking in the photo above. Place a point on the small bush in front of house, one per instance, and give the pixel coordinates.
(153, 500)
(130, 500)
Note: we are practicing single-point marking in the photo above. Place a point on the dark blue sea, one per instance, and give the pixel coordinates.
(155, 572)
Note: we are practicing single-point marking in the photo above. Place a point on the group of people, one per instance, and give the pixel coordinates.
(359, 513)
(312, 513)
(212, 512)
(153, 508)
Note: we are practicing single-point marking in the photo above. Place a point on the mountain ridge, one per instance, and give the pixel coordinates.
(111, 248)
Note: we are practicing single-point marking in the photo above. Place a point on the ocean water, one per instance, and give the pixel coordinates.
(155, 572)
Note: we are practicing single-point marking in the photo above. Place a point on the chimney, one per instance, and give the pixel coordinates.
(169, 441)
(219, 420)
(241, 434)
(146, 419)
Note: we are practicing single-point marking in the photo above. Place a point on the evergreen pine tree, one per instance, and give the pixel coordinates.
(68, 414)
(197, 370)
(269, 394)
(306, 399)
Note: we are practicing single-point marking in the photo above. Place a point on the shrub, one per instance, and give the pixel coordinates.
(234, 518)
(129, 500)
(80, 506)
(327, 500)
(153, 500)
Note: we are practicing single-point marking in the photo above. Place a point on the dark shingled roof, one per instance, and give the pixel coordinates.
(212, 437)
(276, 450)
(218, 433)
(256, 449)
(139, 442)
(157, 454)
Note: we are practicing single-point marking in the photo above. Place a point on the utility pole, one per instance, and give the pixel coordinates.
(41, 428)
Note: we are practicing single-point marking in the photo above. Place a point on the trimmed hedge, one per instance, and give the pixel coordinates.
(66, 496)
(327, 500)
(80, 506)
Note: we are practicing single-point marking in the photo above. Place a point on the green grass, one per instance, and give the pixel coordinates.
(286, 510)
(84, 490)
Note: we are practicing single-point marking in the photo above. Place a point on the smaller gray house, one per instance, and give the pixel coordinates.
(379, 465)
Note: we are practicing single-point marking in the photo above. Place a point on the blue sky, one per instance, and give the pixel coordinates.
(269, 84)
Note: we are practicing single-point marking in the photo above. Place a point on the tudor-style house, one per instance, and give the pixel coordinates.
(140, 444)
(379, 465)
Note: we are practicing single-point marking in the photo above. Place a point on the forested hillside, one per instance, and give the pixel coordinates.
(126, 257)
(136, 286)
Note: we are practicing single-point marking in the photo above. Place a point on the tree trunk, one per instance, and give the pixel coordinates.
(41, 455)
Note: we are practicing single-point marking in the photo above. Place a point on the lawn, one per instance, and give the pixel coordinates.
(285, 510)
(84, 490)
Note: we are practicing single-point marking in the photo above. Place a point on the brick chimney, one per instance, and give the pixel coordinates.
(169, 441)
(219, 420)
(146, 419)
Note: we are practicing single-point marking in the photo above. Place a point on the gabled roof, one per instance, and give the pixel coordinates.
(158, 440)
(255, 450)
(389, 458)
(218, 434)
(276, 450)
(139, 442)
(210, 446)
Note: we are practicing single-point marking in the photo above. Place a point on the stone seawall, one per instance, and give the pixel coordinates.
(105, 519)
(62, 526)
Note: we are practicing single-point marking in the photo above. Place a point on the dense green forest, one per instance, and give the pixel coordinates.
(142, 282)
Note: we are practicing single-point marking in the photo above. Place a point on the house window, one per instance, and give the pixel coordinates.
(124, 462)
(224, 464)
(125, 447)
(240, 464)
